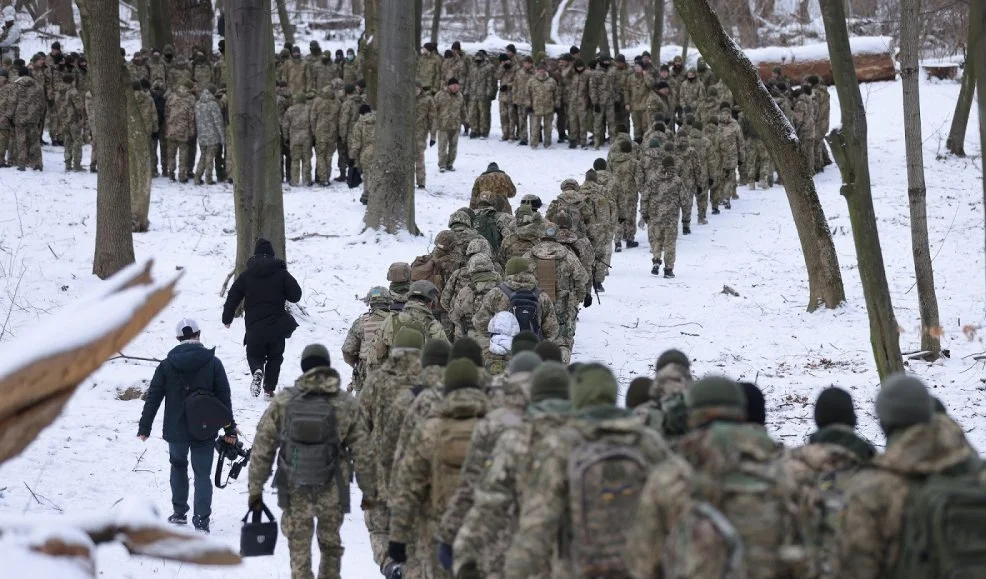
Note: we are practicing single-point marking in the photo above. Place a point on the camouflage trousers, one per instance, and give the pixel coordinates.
(301, 165)
(605, 118)
(627, 230)
(522, 122)
(207, 159)
(178, 151)
(821, 151)
(718, 192)
(578, 125)
(759, 165)
(603, 250)
(377, 522)
(728, 186)
(53, 125)
(561, 120)
(421, 145)
(479, 116)
(28, 145)
(422, 560)
(343, 163)
(448, 147)
(298, 526)
(663, 237)
(807, 138)
(5, 145)
(323, 160)
(72, 137)
(701, 202)
(541, 126)
(638, 118)
(508, 118)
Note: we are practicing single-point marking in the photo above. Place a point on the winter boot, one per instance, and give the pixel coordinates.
(473, 135)
(631, 244)
(752, 186)
(728, 205)
(177, 519)
(668, 273)
(522, 143)
(201, 524)
(686, 229)
(715, 211)
(258, 379)
(572, 145)
(268, 395)
(618, 248)
(703, 221)
(656, 269)
(598, 286)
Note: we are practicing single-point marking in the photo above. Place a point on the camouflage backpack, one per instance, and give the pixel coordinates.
(943, 531)
(486, 226)
(371, 329)
(454, 435)
(605, 479)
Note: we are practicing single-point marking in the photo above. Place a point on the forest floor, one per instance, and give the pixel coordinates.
(90, 458)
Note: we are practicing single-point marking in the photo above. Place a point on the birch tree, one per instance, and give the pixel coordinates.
(851, 153)
(916, 190)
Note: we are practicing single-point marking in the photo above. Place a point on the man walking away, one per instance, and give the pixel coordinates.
(189, 367)
(263, 288)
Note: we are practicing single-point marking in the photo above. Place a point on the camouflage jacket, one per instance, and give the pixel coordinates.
(357, 349)
(179, 114)
(209, 121)
(545, 508)
(544, 95)
(482, 82)
(425, 117)
(430, 71)
(601, 88)
(148, 112)
(320, 74)
(348, 114)
(414, 315)
(488, 430)
(639, 86)
(178, 73)
(324, 116)
(731, 145)
(352, 437)
(377, 414)
(624, 169)
(521, 241)
(454, 68)
(805, 111)
(496, 182)
(876, 497)
(295, 73)
(573, 202)
(479, 278)
(296, 125)
(691, 93)
(690, 169)
(521, 96)
(30, 102)
(578, 91)
(450, 109)
(419, 401)
(604, 214)
(411, 488)
(496, 301)
(157, 69)
(656, 104)
(361, 140)
(661, 198)
(71, 109)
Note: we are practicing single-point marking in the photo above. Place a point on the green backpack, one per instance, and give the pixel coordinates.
(944, 533)
(487, 227)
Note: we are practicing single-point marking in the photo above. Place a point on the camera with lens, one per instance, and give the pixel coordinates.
(393, 570)
(236, 454)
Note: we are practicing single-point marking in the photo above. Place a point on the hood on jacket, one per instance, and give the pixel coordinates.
(502, 328)
(320, 380)
(550, 406)
(521, 281)
(549, 250)
(720, 446)
(265, 266)
(464, 403)
(927, 448)
(846, 439)
(190, 356)
(403, 362)
(206, 96)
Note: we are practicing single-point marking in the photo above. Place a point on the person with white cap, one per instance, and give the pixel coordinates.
(192, 383)
(10, 35)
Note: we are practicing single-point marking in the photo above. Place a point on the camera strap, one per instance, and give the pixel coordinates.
(219, 474)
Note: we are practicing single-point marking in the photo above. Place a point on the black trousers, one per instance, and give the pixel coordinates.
(267, 356)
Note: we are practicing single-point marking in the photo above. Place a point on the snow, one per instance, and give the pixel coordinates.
(820, 51)
(90, 457)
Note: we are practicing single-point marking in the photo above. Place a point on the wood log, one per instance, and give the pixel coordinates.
(869, 68)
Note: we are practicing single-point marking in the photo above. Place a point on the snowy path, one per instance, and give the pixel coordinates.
(89, 458)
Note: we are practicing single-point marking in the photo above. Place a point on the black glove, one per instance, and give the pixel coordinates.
(256, 503)
(677, 110)
(587, 302)
(397, 552)
(431, 143)
(529, 110)
(445, 556)
(468, 571)
(597, 108)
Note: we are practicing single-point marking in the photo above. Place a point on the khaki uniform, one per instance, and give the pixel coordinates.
(179, 112)
(211, 134)
(522, 101)
(601, 229)
(425, 123)
(663, 195)
(297, 129)
(481, 88)
(72, 114)
(357, 349)
(497, 301)
(545, 98)
(450, 109)
(626, 173)
(28, 112)
(430, 71)
(295, 73)
(325, 126)
(638, 86)
(505, 74)
(497, 183)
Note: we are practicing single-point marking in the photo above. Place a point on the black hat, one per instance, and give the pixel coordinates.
(756, 406)
(529, 59)
(452, 81)
(599, 164)
(264, 247)
(621, 58)
(672, 356)
(579, 63)
(448, 53)
(639, 392)
(567, 57)
(315, 356)
(456, 45)
(511, 48)
(503, 57)
(523, 341)
(548, 351)
(56, 45)
(903, 402)
(364, 108)
(661, 85)
(834, 406)
(466, 348)
(574, 50)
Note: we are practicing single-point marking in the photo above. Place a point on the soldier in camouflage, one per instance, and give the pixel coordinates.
(417, 313)
(601, 96)
(425, 123)
(428, 473)
(27, 114)
(820, 93)
(450, 108)
(429, 67)
(495, 181)
(601, 228)
(663, 196)
(519, 275)
(348, 114)
(179, 113)
(639, 88)
(578, 105)
(805, 119)
(7, 95)
(357, 349)
(544, 100)
(527, 231)
(71, 114)
(481, 88)
(327, 502)
(731, 150)
(211, 135)
(665, 409)
(399, 277)
(626, 171)
(505, 73)
(294, 71)
(479, 277)
(690, 170)
(325, 126)
(296, 128)
(361, 144)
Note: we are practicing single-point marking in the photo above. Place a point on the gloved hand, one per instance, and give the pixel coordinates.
(445, 556)
(397, 552)
(431, 143)
(468, 571)
(256, 503)
(597, 108)
(587, 302)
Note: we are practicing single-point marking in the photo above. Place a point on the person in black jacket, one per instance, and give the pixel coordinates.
(263, 288)
(189, 366)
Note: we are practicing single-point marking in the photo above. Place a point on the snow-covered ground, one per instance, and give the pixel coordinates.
(91, 457)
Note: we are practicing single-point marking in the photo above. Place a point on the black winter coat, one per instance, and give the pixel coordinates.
(189, 364)
(265, 286)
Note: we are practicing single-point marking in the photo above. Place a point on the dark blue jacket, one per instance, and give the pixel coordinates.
(263, 288)
(189, 364)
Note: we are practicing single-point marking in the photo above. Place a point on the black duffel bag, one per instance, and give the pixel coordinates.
(258, 539)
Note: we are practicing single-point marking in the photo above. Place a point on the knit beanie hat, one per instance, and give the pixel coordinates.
(834, 406)
(672, 357)
(435, 353)
(523, 342)
(466, 348)
(548, 351)
(460, 374)
(409, 338)
(713, 391)
(639, 392)
(524, 362)
(517, 265)
(903, 402)
(599, 164)
(550, 380)
(263, 247)
(594, 385)
(314, 356)
(756, 406)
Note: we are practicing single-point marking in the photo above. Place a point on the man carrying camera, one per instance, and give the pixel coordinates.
(312, 429)
(193, 385)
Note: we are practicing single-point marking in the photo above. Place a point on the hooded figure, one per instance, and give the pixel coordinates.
(10, 35)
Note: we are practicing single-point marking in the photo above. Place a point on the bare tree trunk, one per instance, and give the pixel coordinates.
(916, 190)
(684, 45)
(358, 7)
(508, 23)
(739, 74)
(981, 81)
(191, 25)
(960, 119)
(850, 149)
(139, 157)
(390, 184)
(436, 20)
(418, 14)
(594, 30)
(159, 19)
(614, 19)
(114, 236)
(287, 29)
(371, 44)
(536, 17)
(254, 128)
(624, 22)
(487, 17)
(63, 17)
(145, 26)
(657, 32)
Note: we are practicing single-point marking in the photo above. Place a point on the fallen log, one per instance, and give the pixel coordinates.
(871, 55)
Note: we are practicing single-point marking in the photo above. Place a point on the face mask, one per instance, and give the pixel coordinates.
(350, 57)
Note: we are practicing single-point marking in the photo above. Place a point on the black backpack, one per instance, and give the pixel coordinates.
(525, 305)
(205, 414)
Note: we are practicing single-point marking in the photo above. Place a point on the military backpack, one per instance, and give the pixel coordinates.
(525, 305)
(486, 226)
(454, 435)
(943, 535)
